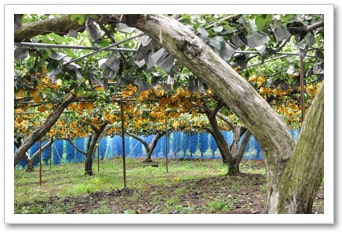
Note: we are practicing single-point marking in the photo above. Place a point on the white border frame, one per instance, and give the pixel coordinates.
(326, 218)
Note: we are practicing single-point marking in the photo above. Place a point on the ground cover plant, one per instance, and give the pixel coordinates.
(190, 186)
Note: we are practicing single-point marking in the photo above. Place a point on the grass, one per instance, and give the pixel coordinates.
(67, 180)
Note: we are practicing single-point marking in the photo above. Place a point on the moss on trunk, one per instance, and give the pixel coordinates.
(304, 172)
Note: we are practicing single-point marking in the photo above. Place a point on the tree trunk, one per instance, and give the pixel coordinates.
(304, 172)
(88, 168)
(148, 158)
(92, 148)
(152, 146)
(235, 91)
(30, 166)
(234, 164)
(216, 132)
(220, 141)
(233, 167)
(43, 129)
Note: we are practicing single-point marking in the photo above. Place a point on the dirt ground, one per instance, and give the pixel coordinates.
(242, 194)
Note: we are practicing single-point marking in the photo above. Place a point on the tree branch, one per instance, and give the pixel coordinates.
(217, 108)
(308, 28)
(43, 129)
(145, 144)
(226, 120)
(228, 17)
(244, 144)
(60, 25)
(76, 147)
(44, 147)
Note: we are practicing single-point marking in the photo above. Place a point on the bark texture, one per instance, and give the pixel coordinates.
(43, 129)
(60, 25)
(304, 172)
(92, 147)
(235, 151)
(272, 133)
(216, 132)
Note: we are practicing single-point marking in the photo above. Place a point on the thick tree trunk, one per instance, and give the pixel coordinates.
(264, 123)
(88, 165)
(43, 129)
(92, 147)
(304, 172)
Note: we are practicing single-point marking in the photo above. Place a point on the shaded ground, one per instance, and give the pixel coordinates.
(242, 194)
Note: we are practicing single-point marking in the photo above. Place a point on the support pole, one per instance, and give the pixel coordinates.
(166, 149)
(50, 155)
(123, 143)
(40, 162)
(98, 157)
(301, 76)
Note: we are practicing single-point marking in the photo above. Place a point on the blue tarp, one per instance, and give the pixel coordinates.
(180, 145)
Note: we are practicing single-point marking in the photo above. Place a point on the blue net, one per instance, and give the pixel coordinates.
(179, 144)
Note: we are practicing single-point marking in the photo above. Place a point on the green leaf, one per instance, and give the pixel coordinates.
(229, 29)
(260, 22)
(81, 18)
(93, 16)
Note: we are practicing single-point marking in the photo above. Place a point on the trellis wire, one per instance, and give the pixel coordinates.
(44, 45)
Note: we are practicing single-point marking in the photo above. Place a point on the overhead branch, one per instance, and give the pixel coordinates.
(59, 25)
(315, 26)
(308, 28)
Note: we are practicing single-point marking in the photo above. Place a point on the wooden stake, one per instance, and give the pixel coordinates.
(166, 147)
(301, 76)
(40, 162)
(98, 157)
(123, 143)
